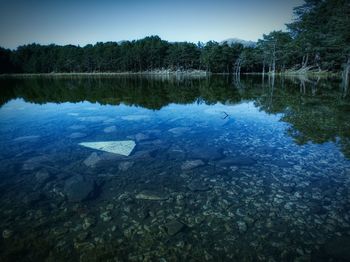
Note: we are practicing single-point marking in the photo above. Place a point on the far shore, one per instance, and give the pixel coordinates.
(146, 73)
(190, 73)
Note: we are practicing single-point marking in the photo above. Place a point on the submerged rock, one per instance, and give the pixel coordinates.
(35, 162)
(152, 195)
(237, 161)
(242, 226)
(135, 117)
(77, 127)
(106, 216)
(77, 188)
(173, 227)
(179, 130)
(198, 186)
(124, 166)
(7, 233)
(42, 176)
(110, 129)
(93, 119)
(77, 135)
(191, 164)
(206, 153)
(116, 147)
(92, 160)
(26, 138)
(141, 137)
(88, 222)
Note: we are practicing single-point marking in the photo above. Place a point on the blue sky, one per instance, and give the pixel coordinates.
(87, 22)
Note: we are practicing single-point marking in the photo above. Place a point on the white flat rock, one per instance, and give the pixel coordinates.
(116, 147)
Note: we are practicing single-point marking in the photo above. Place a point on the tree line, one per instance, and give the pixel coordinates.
(318, 39)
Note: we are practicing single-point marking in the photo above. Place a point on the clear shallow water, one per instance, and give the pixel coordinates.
(222, 170)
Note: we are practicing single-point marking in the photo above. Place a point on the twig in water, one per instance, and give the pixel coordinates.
(226, 115)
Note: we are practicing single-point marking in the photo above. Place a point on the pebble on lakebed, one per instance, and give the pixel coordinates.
(151, 195)
(7, 233)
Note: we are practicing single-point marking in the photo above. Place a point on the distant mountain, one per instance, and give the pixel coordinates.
(232, 41)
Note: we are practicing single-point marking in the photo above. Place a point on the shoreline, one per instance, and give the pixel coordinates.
(144, 73)
(165, 73)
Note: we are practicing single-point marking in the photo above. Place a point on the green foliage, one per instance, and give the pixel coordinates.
(318, 38)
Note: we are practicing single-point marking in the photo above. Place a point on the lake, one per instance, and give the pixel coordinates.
(214, 169)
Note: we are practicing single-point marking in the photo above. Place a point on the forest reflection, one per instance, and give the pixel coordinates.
(316, 109)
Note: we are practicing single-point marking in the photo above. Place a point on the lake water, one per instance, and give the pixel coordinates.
(223, 169)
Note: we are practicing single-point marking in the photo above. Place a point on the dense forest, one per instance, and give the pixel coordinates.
(318, 39)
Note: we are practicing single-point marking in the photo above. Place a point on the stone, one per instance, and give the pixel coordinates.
(77, 188)
(42, 176)
(77, 127)
(206, 153)
(152, 195)
(77, 135)
(237, 161)
(35, 162)
(141, 137)
(110, 129)
(93, 119)
(92, 160)
(116, 147)
(179, 130)
(191, 164)
(242, 227)
(135, 117)
(26, 138)
(106, 216)
(88, 222)
(7, 233)
(124, 166)
(174, 227)
(198, 186)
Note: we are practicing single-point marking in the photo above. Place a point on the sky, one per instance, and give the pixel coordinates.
(82, 22)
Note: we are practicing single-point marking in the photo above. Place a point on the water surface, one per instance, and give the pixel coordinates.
(223, 169)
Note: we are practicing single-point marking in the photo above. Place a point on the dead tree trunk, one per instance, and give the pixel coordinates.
(274, 59)
(346, 76)
(305, 61)
(263, 70)
(237, 66)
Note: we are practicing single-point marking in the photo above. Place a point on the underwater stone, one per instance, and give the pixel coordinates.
(77, 127)
(191, 164)
(77, 188)
(116, 147)
(206, 153)
(173, 227)
(7, 233)
(42, 176)
(77, 135)
(179, 130)
(237, 161)
(88, 222)
(26, 138)
(242, 227)
(92, 160)
(135, 117)
(106, 216)
(124, 166)
(110, 129)
(141, 137)
(198, 186)
(35, 162)
(151, 195)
